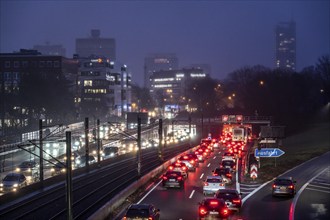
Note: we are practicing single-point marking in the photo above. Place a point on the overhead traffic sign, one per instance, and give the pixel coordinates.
(268, 152)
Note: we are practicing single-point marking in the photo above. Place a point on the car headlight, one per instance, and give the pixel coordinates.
(18, 169)
(52, 170)
(1, 184)
(15, 185)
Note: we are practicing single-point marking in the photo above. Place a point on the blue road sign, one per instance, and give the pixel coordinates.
(268, 152)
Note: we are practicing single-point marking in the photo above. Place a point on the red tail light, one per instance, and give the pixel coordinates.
(179, 178)
(184, 168)
(192, 161)
(164, 177)
(202, 211)
(236, 201)
(228, 174)
(221, 184)
(274, 185)
(214, 174)
(170, 168)
(206, 183)
(291, 186)
(225, 211)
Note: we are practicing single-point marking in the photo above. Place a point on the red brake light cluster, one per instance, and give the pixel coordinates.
(236, 201)
(214, 203)
(202, 211)
(225, 211)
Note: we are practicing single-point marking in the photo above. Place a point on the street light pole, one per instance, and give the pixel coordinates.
(41, 155)
(68, 175)
(98, 142)
(86, 144)
(139, 147)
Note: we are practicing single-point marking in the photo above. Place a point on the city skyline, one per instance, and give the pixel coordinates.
(225, 35)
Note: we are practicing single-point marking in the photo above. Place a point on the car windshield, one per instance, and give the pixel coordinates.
(110, 150)
(26, 164)
(283, 182)
(137, 213)
(11, 178)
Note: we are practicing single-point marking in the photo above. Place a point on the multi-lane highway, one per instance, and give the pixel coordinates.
(311, 201)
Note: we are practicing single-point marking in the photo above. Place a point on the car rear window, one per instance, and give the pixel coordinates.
(214, 180)
(137, 213)
(283, 182)
(227, 195)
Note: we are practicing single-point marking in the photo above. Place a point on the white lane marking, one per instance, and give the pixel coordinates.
(312, 189)
(149, 192)
(254, 191)
(191, 194)
(201, 176)
(295, 199)
(318, 186)
(208, 165)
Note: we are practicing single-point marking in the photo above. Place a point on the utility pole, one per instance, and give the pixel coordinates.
(86, 144)
(68, 175)
(41, 155)
(160, 134)
(139, 147)
(98, 142)
(189, 120)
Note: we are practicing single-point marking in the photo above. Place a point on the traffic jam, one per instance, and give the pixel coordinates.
(221, 199)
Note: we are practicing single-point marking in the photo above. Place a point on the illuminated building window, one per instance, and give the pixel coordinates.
(88, 83)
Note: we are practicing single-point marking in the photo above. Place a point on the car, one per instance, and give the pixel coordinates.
(180, 167)
(13, 182)
(173, 179)
(142, 211)
(58, 168)
(81, 160)
(200, 156)
(228, 164)
(110, 151)
(212, 184)
(225, 173)
(228, 156)
(283, 186)
(231, 197)
(193, 156)
(213, 208)
(190, 163)
(30, 169)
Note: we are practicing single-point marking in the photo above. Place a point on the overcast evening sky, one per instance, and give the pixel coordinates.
(228, 35)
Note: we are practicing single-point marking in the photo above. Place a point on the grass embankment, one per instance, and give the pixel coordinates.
(312, 142)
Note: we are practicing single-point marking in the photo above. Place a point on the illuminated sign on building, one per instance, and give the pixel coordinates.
(197, 75)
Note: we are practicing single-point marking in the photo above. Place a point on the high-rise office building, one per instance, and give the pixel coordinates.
(286, 45)
(158, 62)
(51, 49)
(97, 46)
